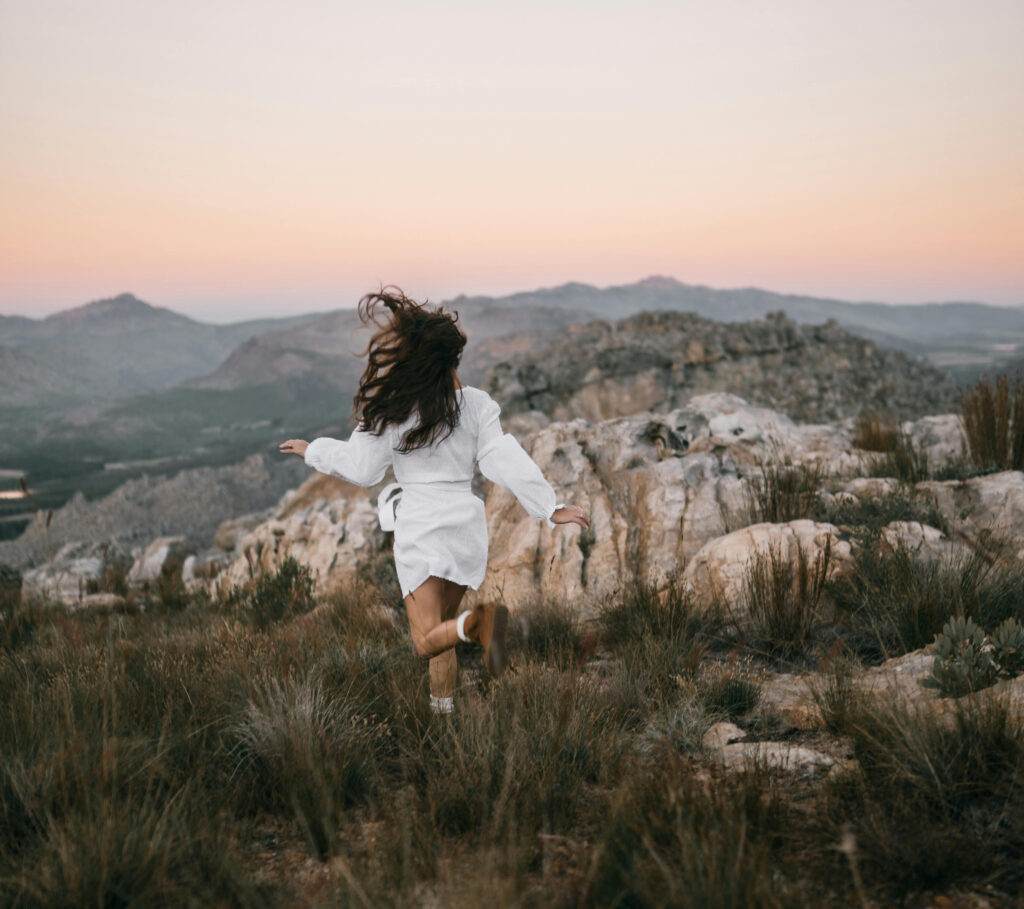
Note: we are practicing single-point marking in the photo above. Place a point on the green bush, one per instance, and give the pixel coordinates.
(272, 597)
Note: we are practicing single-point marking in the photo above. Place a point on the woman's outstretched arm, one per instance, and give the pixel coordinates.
(505, 462)
(362, 459)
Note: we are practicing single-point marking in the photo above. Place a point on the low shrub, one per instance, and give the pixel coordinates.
(273, 596)
(966, 659)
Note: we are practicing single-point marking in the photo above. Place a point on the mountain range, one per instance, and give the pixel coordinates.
(95, 394)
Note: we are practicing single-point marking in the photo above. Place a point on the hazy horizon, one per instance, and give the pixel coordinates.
(240, 161)
(213, 317)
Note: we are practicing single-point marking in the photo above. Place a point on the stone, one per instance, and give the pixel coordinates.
(873, 489)
(230, 532)
(719, 570)
(197, 570)
(982, 507)
(924, 543)
(775, 755)
(99, 601)
(721, 734)
(163, 551)
(940, 436)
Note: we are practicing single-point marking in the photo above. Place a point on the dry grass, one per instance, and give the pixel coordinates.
(145, 753)
(875, 432)
(993, 421)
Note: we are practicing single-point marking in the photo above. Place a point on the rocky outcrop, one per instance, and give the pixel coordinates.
(668, 494)
(657, 486)
(658, 361)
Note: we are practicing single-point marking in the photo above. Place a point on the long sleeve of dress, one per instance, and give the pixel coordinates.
(505, 462)
(363, 459)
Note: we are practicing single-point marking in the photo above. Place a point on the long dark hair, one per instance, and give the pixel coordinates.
(410, 366)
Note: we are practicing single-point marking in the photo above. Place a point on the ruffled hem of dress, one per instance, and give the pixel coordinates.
(440, 574)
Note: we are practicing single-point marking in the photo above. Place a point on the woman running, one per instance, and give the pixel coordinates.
(414, 415)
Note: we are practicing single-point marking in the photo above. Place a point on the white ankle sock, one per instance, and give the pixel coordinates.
(442, 705)
(460, 627)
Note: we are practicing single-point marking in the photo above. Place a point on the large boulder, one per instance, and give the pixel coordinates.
(163, 552)
(940, 437)
(983, 507)
(718, 573)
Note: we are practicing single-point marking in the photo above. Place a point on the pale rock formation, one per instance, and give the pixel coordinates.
(924, 543)
(873, 489)
(163, 551)
(331, 536)
(797, 759)
(983, 507)
(718, 572)
(231, 531)
(941, 437)
(65, 578)
(723, 733)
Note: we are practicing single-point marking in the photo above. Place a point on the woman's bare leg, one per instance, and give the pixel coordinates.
(444, 668)
(426, 606)
(432, 608)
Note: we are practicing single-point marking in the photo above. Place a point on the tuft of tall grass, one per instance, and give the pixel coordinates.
(905, 460)
(523, 758)
(783, 597)
(549, 631)
(993, 421)
(660, 635)
(306, 751)
(783, 491)
(875, 431)
(834, 694)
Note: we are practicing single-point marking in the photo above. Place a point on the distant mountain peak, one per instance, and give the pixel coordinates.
(124, 305)
(660, 282)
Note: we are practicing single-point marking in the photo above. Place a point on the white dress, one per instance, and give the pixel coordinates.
(439, 524)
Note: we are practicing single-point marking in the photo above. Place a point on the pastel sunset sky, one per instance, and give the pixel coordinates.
(239, 159)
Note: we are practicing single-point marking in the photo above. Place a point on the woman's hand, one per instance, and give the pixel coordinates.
(571, 514)
(295, 446)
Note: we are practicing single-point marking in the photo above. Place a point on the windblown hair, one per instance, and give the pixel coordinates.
(411, 359)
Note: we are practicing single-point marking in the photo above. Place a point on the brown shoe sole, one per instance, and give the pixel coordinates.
(497, 652)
